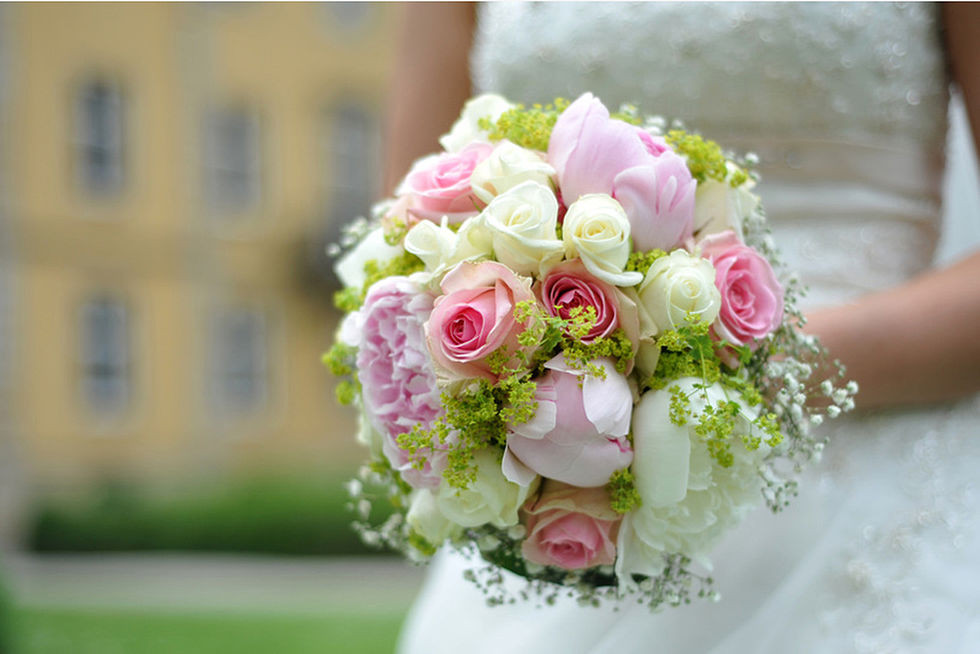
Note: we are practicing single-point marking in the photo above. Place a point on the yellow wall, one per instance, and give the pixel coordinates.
(158, 245)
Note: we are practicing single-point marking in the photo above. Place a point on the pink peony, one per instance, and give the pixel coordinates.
(395, 371)
(569, 527)
(439, 185)
(569, 285)
(578, 433)
(596, 154)
(751, 296)
(475, 317)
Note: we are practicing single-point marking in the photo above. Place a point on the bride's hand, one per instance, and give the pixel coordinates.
(913, 344)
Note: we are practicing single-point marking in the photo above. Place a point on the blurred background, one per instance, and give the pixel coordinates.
(170, 177)
(171, 454)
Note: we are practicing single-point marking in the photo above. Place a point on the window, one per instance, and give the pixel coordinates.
(105, 351)
(233, 172)
(241, 360)
(352, 152)
(99, 137)
(350, 17)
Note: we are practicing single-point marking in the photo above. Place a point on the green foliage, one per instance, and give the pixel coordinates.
(341, 361)
(686, 351)
(403, 264)
(549, 335)
(715, 426)
(622, 492)
(475, 417)
(528, 128)
(628, 114)
(350, 298)
(395, 230)
(268, 514)
(419, 542)
(705, 159)
(519, 405)
(616, 346)
(641, 261)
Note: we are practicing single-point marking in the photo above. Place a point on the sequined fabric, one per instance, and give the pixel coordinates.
(851, 70)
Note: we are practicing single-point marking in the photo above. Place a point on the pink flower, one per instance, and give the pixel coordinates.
(596, 154)
(395, 371)
(569, 527)
(475, 317)
(751, 296)
(578, 433)
(569, 285)
(439, 185)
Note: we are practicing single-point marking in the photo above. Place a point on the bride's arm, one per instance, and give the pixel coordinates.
(430, 83)
(919, 342)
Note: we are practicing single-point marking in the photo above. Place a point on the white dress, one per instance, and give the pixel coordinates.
(846, 107)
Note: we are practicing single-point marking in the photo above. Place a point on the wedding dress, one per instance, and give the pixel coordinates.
(845, 105)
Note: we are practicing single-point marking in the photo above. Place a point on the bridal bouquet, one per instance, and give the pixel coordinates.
(573, 355)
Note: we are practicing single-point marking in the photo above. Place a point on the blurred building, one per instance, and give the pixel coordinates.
(170, 175)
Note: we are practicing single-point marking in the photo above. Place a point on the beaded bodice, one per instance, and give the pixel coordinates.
(851, 70)
(844, 103)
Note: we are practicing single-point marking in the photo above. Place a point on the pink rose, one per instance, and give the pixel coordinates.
(751, 296)
(475, 317)
(439, 185)
(569, 527)
(569, 285)
(395, 371)
(596, 154)
(578, 433)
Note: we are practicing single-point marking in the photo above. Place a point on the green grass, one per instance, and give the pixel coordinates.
(102, 631)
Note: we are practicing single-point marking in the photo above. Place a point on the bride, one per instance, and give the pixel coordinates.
(846, 106)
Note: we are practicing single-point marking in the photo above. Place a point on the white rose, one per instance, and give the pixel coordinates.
(466, 129)
(597, 230)
(440, 248)
(506, 167)
(425, 518)
(431, 243)
(473, 241)
(490, 499)
(522, 223)
(718, 206)
(688, 501)
(350, 267)
(678, 284)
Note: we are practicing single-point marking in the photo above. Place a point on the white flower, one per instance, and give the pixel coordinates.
(597, 230)
(350, 267)
(431, 243)
(678, 284)
(506, 167)
(522, 223)
(490, 499)
(466, 129)
(718, 206)
(688, 501)
(440, 248)
(424, 517)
